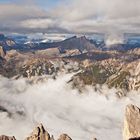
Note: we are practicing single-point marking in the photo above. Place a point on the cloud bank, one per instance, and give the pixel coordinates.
(75, 16)
(61, 109)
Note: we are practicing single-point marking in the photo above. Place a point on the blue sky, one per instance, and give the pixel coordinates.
(49, 2)
(45, 4)
(4, 1)
(8, 1)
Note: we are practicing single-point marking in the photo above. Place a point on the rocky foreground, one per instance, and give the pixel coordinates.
(131, 129)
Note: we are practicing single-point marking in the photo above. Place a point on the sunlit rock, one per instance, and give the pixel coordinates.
(64, 137)
(2, 52)
(132, 123)
(3, 137)
(39, 133)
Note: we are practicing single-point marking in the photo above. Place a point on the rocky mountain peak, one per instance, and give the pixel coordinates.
(83, 38)
(39, 133)
(132, 123)
(3, 137)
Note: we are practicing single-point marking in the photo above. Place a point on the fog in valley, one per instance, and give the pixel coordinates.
(61, 109)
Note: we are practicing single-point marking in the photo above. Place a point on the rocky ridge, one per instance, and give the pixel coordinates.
(114, 73)
(93, 66)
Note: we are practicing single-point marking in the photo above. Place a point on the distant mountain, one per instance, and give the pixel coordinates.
(19, 39)
(6, 42)
(80, 43)
(120, 47)
(117, 47)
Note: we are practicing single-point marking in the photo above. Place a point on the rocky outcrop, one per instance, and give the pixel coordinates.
(64, 137)
(3, 137)
(39, 133)
(132, 123)
(5, 41)
(10, 42)
(2, 52)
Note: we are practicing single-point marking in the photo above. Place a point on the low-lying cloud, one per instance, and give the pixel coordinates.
(61, 109)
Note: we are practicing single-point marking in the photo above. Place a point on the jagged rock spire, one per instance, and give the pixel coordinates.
(39, 133)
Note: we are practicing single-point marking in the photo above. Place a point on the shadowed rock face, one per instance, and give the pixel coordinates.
(135, 138)
(3, 137)
(132, 123)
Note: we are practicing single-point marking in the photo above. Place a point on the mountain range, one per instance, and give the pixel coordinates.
(80, 43)
(94, 64)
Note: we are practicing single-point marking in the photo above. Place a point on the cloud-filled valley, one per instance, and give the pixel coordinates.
(72, 66)
(61, 109)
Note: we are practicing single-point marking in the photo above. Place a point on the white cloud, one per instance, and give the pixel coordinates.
(37, 23)
(61, 109)
(75, 16)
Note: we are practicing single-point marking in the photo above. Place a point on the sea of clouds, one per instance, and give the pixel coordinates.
(61, 109)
